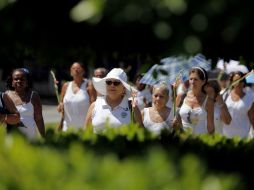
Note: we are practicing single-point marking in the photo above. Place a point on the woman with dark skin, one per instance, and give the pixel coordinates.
(27, 102)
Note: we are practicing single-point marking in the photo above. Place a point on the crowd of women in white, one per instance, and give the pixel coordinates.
(108, 100)
(204, 109)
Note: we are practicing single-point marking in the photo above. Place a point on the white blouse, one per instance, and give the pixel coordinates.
(75, 106)
(194, 118)
(103, 115)
(240, 123)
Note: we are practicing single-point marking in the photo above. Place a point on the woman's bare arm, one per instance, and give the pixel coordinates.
(224, 113)
(38, 113)
(210, 115)
(88, 119)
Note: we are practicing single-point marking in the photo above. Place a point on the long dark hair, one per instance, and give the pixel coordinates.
(27, 75)
(215, 85)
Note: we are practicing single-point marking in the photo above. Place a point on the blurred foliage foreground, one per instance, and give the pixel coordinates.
(127, 158)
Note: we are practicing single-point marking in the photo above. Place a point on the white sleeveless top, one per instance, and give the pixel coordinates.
(240, 123)
(103, 114)
(75, 106)
(26, 111)
(155, 127)
(195, 119)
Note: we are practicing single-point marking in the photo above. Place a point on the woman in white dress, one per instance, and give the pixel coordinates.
(112, 109)
(221, 113)
(241, 108)
(76, 97)
(27, 102)
(158, 117)
(197, 111)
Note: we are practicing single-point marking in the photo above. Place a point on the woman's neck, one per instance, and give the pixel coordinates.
(114, 101)
(21, 93)
(78, 80)
(197, 93)
(159, 109)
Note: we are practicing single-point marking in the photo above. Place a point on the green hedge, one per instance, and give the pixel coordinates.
(129, 158)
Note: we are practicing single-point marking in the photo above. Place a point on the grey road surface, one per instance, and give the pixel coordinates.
(50, 115)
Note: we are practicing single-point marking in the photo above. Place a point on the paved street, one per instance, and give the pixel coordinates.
(50, 114)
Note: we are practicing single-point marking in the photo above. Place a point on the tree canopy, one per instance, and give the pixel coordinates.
(56, 32)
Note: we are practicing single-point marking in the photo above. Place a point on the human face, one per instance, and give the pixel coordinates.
(19, 81)
(98, 74)
(114, 87)
(160, 97)
(195, 82)
(139, 85)
(76, 70)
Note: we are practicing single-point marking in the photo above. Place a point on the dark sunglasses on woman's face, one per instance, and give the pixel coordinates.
(115, 83)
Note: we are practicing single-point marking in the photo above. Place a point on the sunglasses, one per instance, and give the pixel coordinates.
(115, 83)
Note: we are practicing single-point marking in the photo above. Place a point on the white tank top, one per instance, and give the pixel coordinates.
(155, 127)
(240, 123)
(26, 111)
(75, 106)
(103, 115)
(195, 118)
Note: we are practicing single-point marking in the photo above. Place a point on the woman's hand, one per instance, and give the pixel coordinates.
(219, 99)
(60, 107)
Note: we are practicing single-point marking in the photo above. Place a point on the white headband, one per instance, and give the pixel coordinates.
(201, 71)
